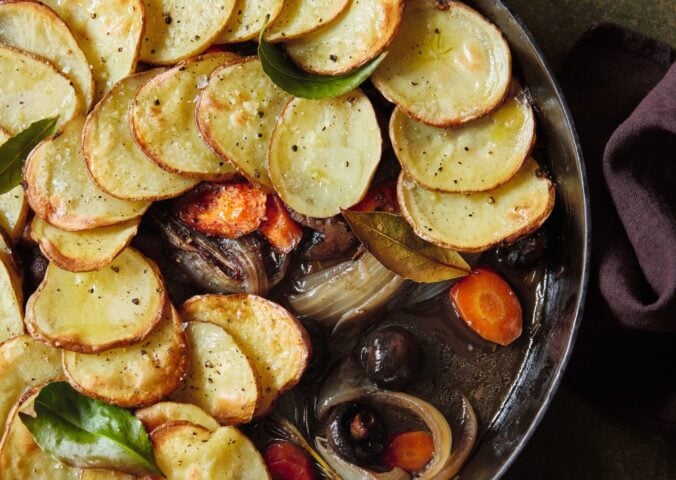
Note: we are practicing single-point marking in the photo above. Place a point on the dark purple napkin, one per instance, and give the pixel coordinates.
(621, 88)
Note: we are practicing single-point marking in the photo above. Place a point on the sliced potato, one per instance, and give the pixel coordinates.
(32, 89)
(61, 192)
(447, 65)
(476, 222)
(167, 412)
(187, 451)
(11, 302)
(137, 375)
(271, 337)
(163, 119)
(82, 251)
(104, 475)
(7, 254)
(108, 32)
(13, 212)
(178, 29)
(248, 18)
(90, 312)
(236, 114)
(35, 28)
(300, 17)
(221, 379)
(361, 32)
(474, 157)
(324, 153)
(25, 363)
(114, 160)
(21, 457)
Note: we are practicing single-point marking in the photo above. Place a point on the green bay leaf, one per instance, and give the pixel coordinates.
(87, 433)
(392, 241)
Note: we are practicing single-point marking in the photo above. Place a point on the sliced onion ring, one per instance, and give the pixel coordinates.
(461, 451)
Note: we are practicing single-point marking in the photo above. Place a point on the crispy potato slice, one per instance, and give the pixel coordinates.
(114, 160)
(166, 412)
(61, 192)
(82, 251)
(236, 114)
(187, 451)
(25, 363)
(108, 32)
(35, 28)
(324, 153)
(270, 336)
(178, 29)
(477, 156)
(14, 212)
(476, 222)
(247, 19)
(163, 119)
(447, 65)
(300, 17)
(133, 376)
(32, 89)
(21, 457)
(11, 301)
(104, 475)
(8, 256)
(361, 32)
(221, 379)
(90, 312)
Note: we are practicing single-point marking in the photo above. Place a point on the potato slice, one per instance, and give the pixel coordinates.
(178, 29)
(474, 157)
(247, 19)
(271, 337)
(447, 65)
(133, 376)
(324, 153)
(104, 475)
(187, 451)
(108, 32)
(11, 302)
(35, 28)
(163, 119)
(13, 212)
(114, 160)
(361, 32)
(21, 457)
(82, 251)
(167, 412)
(25, 363)
(300, 17)
(32, 89)
(221, 379)
(90, 312)
(236, 114)
(61, 192)
(7, 254)
(479, 221)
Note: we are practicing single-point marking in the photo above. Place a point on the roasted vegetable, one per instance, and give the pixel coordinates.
(357, 433)
(278, 228)
(391, 357)
(249, 20)
(525, 253)
(410, 451)
(295, 21)
(165, 412)
(286, 461)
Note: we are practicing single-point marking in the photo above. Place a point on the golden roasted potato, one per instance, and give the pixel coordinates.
(91, 312)
(360, 33)
(32, 89)
(247, 19)
(271, 337)
(14, 212)
(324, 153)
(82, 251)
(300, 17)
(236, 114)
(178, 29)
(446, 66)
(109, 33)
(104, 475)
(11, 301)
(8, 257)
(61, 192)
(114, 160)
(221, 379)
(187, 451)
(168, 412)
(36, 29)
(476, 222)
(163, 119)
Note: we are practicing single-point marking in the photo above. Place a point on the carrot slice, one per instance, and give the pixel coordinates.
(282, 231)
(286, 461)
(380, 198)
(227, 210)
(489, 306)
(410, 451)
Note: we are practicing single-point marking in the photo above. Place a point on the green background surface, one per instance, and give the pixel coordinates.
(585, 437)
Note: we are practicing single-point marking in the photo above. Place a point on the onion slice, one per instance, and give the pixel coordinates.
(350, 471)
(461, 451)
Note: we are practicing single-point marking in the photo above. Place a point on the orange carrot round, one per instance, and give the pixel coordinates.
(380, 198)
(410, 451)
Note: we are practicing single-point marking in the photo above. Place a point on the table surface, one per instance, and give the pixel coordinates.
(586, 437)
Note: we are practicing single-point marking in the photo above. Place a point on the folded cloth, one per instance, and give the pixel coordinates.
(621, 88)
